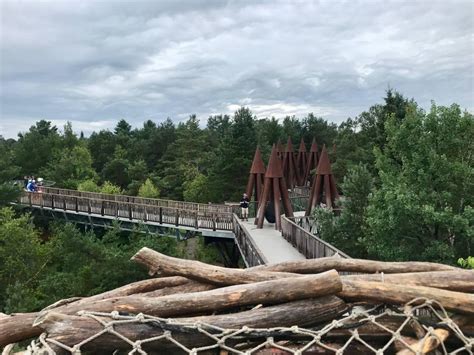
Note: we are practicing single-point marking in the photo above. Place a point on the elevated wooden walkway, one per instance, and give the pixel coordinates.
(257, 246)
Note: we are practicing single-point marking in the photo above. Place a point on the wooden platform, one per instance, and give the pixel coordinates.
(270, 243)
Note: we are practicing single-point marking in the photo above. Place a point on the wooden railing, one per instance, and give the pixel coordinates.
(181, 205)
(249, 251)
(307, 243)
(116, 206)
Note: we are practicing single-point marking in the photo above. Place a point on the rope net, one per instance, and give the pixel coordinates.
(418, 327)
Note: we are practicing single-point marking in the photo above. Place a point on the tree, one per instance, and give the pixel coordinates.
(70, 167)
(148, 190)
(423, 208)
(117, 169)
(22, 257)
(9, 170)
(347, 231)
(110, 188)
(88, 185)
(36, 148)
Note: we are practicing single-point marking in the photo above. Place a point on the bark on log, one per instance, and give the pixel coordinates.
(265, 292)
(461, 281)
(312, 266)
(188, 287)
(401, 294)
(18, 327)
(71, 330)
(167, 265)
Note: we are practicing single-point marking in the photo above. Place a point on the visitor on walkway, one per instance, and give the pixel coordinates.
(244, 205)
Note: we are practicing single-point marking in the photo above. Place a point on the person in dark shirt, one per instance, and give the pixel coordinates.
(244, 205)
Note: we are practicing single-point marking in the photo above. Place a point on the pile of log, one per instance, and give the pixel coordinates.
(307, 293)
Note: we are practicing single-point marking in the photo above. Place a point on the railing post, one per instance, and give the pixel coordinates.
(145, 217)
(177, 217)
(77, 205)
(130, 211)
(89, 208)
(161, 215)
(64, 204)
(29, 198)
(214, 222)
(196, 222)
(52, 202)
(102, 208)
(116, 209)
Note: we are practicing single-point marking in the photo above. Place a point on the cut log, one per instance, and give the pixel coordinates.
(313, 266)
(18, 327)
(265, 292)
(71, 330)
(461, 281)
(400, 294)
(167, 265)
(188, 287)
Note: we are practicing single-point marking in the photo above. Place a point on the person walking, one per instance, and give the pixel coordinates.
(244, 205)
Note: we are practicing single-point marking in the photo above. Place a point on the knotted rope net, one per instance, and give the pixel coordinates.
(418, 327)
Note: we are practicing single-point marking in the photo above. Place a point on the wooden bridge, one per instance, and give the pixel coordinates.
(257, 246)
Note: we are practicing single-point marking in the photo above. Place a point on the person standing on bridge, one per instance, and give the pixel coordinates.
(244, 205)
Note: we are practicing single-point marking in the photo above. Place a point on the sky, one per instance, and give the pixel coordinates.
(95, 62)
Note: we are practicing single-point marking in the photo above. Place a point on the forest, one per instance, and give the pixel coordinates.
(406, 177)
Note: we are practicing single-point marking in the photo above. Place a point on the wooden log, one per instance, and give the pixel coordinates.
(400, 294)
(71, 330)
(167, 265)
(461, 281)
(188, 287)
(265, 292)
(312, 266)
(18, 327)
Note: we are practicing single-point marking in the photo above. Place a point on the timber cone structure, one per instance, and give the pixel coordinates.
(312, 163)
(257, 176)
(280, 150)
(290, 170)
(324, 186)
(301, 161)
(274, 191)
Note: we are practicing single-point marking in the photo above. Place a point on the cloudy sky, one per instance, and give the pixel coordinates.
(95, 62)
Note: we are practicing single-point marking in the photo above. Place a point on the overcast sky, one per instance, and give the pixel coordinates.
(95, 62)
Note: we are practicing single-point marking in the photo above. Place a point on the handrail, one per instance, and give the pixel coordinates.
(307, 243)
(248, 249)
(130, 210)
(135, 199)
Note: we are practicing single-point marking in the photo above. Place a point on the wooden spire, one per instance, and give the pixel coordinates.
(257, 174)
(280, 150)
(324, 185)
(312, 162)
(274, 191)
(301, 161)
(290, 171)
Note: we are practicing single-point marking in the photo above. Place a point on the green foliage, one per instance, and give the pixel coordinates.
(88, 186)
(109, 188)
(9, 193)
(347, 231)
(9, 170)
(149, 190)
(70, 167)
(23, 257)
(467, 263)
(422, 210)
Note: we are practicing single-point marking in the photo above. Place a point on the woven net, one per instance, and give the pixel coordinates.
(420, 326)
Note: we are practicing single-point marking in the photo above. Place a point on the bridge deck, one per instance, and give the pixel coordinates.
(271, 244)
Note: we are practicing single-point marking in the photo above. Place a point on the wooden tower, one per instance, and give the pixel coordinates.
(256, 177)
(290, 171)
(312, 163)
(274, 191)
(280, 150)
(301, 161)
(324, 185)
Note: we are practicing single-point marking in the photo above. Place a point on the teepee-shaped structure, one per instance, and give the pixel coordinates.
(280, 150)
(301, 161)
(274, 192)
(324, 185)
(256, 177)
(290, 172)
(312, 162)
